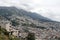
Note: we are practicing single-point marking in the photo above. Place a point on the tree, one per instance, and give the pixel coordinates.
(0, 27)
(31, 36)
(15, 23)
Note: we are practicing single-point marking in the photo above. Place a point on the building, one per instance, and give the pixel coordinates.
(5, 24)
(12, 30)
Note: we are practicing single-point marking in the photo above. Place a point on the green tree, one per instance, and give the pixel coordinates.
(15, 23)
(0, 28)
(31, 36)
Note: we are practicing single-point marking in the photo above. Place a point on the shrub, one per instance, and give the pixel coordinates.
(31, 36)
(14, 23)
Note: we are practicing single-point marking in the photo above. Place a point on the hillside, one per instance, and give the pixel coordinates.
(26, 22)
(8, 11)
(13, 13)
(4, 35)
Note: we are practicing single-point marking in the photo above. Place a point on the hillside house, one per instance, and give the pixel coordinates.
(12, 30)
(5, 24)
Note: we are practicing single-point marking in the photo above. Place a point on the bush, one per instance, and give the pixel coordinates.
(4, 32)
(14, 23)
(5, 35)
(31, 36)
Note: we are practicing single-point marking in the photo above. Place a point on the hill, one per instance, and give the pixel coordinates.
(26, 22)
(8, 11)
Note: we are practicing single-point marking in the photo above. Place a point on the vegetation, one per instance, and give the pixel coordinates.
(4, 35)
(25, 24)
(31, 36)
(33, 25)
(57, 38)
(14, 23)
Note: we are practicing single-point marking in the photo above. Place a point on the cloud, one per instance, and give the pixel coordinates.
(47, 8)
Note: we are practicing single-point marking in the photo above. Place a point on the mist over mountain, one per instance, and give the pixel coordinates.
(29, 19)
(8, 11)
(26, 22)
(13, 13)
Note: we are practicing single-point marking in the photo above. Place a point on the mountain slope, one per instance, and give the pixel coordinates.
(26, 22)
(8, 11)
(20, 16)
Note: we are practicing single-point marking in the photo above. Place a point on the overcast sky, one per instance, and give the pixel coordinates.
(47, 8)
